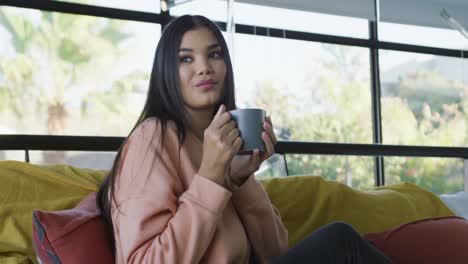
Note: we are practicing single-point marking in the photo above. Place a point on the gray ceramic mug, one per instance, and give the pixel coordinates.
(250, 124)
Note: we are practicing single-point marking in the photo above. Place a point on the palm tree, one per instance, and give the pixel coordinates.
(55, 54)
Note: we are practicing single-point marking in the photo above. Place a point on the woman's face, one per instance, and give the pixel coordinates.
(201, 69)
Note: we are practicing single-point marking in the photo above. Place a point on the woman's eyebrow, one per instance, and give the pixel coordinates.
(214, 46)
(210, 47)
(185, 49)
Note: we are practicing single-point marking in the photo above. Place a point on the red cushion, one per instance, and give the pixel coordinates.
(72, 236)
(435, 240)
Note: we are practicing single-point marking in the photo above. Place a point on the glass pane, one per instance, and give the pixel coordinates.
(281, 18)
(313, 91)
(140, 5)
(354, 171)
(66, 74)
(17, 155)
(272, 167)
(424, 99)
(439, 175)
(212, 9)
(80, 159)
(424, 36)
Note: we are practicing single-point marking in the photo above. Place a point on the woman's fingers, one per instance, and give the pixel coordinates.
(232, 135)
(256, 159)
(221, 110)
(237, 145)
(269, 147)
(268, 119)
(228, 128)
(269, 138)
(221, 118)
(269, 129)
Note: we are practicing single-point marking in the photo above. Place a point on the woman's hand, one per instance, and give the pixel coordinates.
(221, 142)
(242, 166)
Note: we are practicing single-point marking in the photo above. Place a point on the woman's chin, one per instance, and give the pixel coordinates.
(203, 107)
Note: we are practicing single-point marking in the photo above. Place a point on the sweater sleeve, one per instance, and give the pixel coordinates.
(157, 221)
(262, 221)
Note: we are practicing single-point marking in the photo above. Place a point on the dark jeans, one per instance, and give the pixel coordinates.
(334, 243)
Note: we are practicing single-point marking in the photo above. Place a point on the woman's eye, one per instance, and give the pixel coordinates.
(216, 55)
(185, 59)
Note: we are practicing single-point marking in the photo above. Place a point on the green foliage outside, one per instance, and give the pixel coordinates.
(57, 79)
(420, 109)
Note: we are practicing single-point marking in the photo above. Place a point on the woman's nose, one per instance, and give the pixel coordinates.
(204, 67)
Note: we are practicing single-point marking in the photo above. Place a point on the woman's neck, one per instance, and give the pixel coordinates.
(199, 121)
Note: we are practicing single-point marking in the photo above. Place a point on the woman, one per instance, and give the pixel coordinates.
(177, 192)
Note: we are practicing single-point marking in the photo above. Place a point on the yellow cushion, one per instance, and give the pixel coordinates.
(308, 202)
(305, 203)
(14, 258)
(25, 187)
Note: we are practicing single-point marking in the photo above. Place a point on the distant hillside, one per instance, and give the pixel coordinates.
(448, 68)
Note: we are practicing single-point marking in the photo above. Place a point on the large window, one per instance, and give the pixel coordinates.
(300, 20)
(440, 175)
(354, 171)
(140, 5)
(424, 99)
(212, 9)
(424, 102)
(278, 18)
(424, 36)
(313, 91)
(65, 74)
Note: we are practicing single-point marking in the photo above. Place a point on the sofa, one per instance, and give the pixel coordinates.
(304, 202)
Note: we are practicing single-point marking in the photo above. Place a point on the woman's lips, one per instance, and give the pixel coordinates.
(206, 84)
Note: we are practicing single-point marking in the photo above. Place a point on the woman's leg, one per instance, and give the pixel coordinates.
(334, 243)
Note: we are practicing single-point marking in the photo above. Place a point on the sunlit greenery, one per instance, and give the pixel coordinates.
(63, 74)
(422, 108)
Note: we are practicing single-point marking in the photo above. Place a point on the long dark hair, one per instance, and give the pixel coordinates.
(164, 99)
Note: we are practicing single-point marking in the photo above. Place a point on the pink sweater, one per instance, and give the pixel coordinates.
(168, 214)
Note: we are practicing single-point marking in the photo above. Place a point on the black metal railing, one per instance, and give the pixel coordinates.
(27, 143)
(89, 143)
